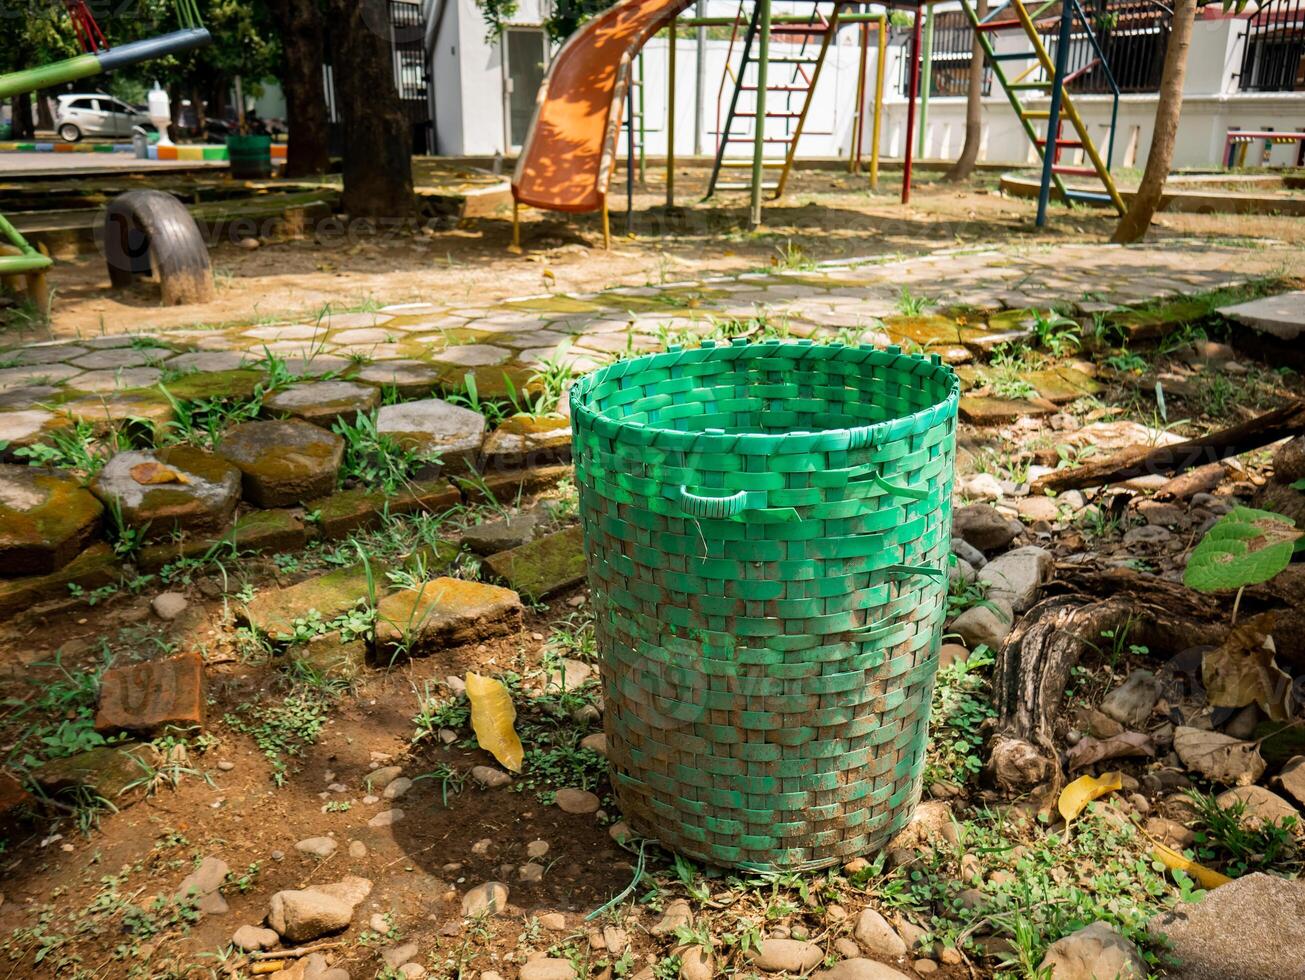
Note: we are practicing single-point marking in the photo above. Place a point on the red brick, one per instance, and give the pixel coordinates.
(146, 698)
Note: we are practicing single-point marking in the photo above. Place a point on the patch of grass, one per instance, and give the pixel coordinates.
(962, 702)
(791, 258)
(379, 461)
(910, 305)
(284, 729)
(1228, 841)
(62, 709)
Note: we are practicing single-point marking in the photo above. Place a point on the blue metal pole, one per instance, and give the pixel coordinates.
(1050, 149)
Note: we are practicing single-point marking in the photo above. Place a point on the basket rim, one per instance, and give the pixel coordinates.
(830, 439)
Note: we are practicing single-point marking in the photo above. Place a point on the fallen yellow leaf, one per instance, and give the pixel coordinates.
(492, 715)
(1085, 789)
(1205, 877)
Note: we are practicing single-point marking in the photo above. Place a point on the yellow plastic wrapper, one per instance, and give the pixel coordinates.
(492, 715)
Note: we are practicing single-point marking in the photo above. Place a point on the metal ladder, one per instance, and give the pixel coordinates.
(804, 71)
(1052, 80)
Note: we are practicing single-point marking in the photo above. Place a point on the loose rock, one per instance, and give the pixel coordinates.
(489, 777)
(984, 527)
(490, 897)
(786, 955)
(319, 847)
(1132, 702)
(547, 969)
(577, 801)
(252, 938)
(1017, 576)
(1093, 952)
(860, 969)
(876, 936)
(203, 886)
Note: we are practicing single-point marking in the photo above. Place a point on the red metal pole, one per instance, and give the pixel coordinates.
(910, 105)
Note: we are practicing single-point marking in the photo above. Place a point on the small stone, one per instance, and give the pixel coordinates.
(876, 936)
(502, 535)
(982, 486)
(147, 697)
(203, 886)
(967, 553)
(537, 848)
(320, 847)
(859, 968)
(302, 915)
(489, 777)
(378, 779)
(413, 971)
(1147, 536)
(577, 801)
(1292, 778)
(1017, 576)
(619, 831)
(169, 605)
(615, 939)
(531, 872)
(697, 963)
(786, 955)
(397, 788)
(1132, 702)
(226, 766)
(1259, 805)
(357, 849)
(1170, 832)
(395, 956)
(678, 915)
(253, 938)
(1094, 951)
(386, 818)
(553, 921)
(986, 625)
(490, 897)
(924, 967)
(547, 968)
(984, 527)
(595, 743)
(283, 463)
(952, 653)
(1034, 509)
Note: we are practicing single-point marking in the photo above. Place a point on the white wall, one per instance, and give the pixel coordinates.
(472, 88)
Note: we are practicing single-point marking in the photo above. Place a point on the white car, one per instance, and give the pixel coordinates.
(95, 115)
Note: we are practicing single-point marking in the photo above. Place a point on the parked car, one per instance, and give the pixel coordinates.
(79, 115)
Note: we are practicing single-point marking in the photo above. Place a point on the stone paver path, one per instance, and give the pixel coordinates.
(420, 347)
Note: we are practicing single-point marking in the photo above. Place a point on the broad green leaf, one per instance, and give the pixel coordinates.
(1246, 547)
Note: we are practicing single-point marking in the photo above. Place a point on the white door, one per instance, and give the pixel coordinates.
(525, 52)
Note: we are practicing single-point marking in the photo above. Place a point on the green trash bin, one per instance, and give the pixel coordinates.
(250, 157)
(768, 529)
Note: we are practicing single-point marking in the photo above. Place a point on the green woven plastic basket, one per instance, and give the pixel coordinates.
(768, 528)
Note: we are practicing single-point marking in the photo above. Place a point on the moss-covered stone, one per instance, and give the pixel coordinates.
(283, 462)
(349, 510)
(27, 427)
(508, 486)
(442, 613)
(1059, 385)
(95, 567)
(274, 612)
(177, 488)
(434, 426)
(544, 566)
(108, 771)
(323, 403)
(991, 410)
(236, 385)
(146, 409)
(926, 330)
(46, 519)
(527, 440)
(258, 531)
(1154, 322)
(331, 656)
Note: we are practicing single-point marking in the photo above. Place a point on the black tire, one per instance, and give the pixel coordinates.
(69, 133)
(151, 233)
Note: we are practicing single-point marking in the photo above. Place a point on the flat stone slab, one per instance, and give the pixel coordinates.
(274, 612)
(411, 379)
(108, 771)
(121, 357)
(105, 412)
(284, 462)
(149, 697)
(494, 536)
(178, 488)
(435, 426)
(25, 428)
(323, 403)
(445, 612)
(527, 440)
(46, 519)
(543, 566)
(1281, 316)
(472, 355)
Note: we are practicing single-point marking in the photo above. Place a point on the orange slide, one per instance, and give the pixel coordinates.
(566, 161)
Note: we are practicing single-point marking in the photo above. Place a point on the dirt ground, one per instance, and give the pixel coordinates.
(826, 215)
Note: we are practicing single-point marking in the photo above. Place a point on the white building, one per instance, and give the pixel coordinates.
(1245, 71)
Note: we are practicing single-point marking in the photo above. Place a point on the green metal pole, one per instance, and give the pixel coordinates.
(759, 119)
(29, 261)
(926, 80)
(34, 79)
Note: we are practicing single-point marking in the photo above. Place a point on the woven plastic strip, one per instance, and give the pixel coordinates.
(767, 527)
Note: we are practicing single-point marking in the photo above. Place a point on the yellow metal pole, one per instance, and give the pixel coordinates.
(607, 227)
(879, 102)
(670, 121)
(516, 225)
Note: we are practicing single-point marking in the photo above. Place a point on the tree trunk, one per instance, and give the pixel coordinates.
(22, 117)
(377, 143)
(303, 47)
(964, 165)
(1169, 108)
(44, 117)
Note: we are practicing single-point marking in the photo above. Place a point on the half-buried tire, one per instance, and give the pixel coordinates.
(150, 234)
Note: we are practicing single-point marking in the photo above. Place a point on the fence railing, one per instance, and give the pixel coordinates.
(1273, 56)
